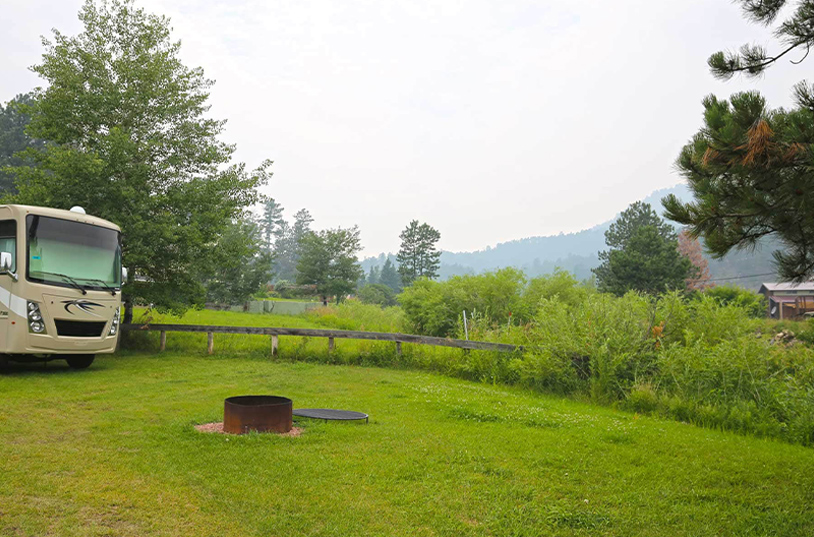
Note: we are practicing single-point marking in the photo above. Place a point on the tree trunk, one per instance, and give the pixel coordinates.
(128, 311)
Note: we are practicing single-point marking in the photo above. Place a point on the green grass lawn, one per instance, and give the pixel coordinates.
(112, 451)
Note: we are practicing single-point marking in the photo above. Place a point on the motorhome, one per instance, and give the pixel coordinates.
(60, 285)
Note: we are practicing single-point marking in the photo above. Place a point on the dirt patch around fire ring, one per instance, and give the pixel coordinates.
(217, 427)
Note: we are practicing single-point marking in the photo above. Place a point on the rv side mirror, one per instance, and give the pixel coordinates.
(5, 265)
(5, 262)
(124, 275)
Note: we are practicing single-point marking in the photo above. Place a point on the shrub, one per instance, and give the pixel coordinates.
(494, 299)
(377, 293)
(754, 303)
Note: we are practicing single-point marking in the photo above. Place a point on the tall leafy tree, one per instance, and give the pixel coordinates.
(643, 255)
(389, 276)
(13, 139)
(749, 167)
(418, 256)
(240, 266)
(130, 141)
(328, 259)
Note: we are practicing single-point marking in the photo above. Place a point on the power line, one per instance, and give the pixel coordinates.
(742, 277)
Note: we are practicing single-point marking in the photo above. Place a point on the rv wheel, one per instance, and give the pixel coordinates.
(80, 361)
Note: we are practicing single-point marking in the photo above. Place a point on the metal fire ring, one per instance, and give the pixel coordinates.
(260, 413)
(330, 414)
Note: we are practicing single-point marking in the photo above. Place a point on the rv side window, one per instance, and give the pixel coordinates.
(8, 240)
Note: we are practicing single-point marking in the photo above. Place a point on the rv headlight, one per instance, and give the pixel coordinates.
(114, 324)
(35, 322)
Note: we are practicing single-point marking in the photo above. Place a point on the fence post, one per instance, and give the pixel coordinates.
(398, 348)
(210, 342)
(330, 345)
(163, 341)
(274, 343)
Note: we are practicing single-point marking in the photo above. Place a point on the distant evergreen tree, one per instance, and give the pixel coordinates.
(389, 276)
(373, 275)
(643, 255)
(288, 243)
(418, 257)
(271, 222)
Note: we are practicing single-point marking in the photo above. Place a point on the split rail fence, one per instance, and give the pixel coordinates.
(331, 335)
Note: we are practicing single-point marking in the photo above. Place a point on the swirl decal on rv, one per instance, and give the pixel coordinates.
(84, 305)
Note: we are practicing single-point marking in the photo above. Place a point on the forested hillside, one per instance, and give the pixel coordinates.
(577, 253)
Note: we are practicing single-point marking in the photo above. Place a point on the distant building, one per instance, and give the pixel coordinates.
(789, 300)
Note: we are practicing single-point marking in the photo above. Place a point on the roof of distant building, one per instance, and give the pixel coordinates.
(804, 286)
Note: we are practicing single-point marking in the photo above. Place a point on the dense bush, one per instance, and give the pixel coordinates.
(755, 303)
(377, 293)
(497, 298)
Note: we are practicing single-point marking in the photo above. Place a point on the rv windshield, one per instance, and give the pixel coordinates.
(66, 253)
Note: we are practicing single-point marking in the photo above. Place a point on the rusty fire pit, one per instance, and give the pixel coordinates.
(257, 413)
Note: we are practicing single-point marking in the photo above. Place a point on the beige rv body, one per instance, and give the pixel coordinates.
(61, 305)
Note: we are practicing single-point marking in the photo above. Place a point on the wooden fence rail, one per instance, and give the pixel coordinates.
(276, 332)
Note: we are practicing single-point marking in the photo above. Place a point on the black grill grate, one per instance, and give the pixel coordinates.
(79, 328)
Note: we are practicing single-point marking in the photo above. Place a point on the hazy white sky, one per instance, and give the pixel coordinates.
(491, 120)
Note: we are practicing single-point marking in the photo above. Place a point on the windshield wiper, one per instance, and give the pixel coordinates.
(102, 283)
(69, 280)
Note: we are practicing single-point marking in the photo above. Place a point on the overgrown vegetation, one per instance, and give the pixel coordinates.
(702, 358)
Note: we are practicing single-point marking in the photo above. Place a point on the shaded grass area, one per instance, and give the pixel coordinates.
(112, 451)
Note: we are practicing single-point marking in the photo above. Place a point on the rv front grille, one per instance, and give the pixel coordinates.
(79, 328)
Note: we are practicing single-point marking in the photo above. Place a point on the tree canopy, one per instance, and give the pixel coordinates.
(749, 167)
(418, 257)
(13, 139)
(750, 172)
(328, 260)
(643, 255)
(239, 266)
(130, 140)
(795, 33)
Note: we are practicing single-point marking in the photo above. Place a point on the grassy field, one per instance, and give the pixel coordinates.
(112, 451)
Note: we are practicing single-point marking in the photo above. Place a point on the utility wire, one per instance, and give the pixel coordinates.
(742, 277)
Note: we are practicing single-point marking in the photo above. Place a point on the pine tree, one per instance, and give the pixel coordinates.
(373, 275)
(418, 257)
(390, 277)
(643, 255)
(270, 223)
(749, 167)
(796, 33)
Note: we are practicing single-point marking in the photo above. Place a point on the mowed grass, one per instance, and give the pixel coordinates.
(112, 451)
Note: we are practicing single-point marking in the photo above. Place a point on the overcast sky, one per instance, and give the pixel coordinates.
(490, 120)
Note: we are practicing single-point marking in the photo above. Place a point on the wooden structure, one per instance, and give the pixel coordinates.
(331, 335)
(789, 300)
